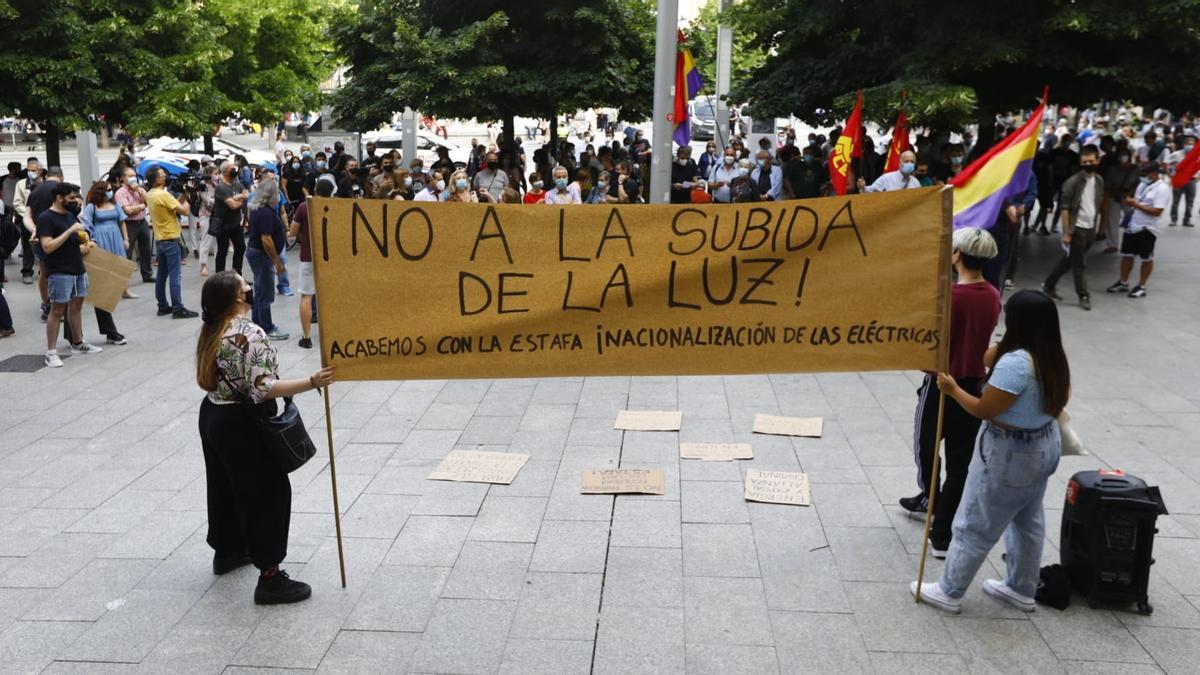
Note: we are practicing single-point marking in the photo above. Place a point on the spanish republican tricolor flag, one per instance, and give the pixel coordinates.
(687, 85)
(982, 188)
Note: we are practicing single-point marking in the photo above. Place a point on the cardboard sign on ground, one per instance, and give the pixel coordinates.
(649, 420)
(472, 466)
(108, 278)
(789, 426)
(777, 487)
(623, 481)
(716, 452)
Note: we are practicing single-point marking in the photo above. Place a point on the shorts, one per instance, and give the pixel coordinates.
(308, 284)
(61, 288)
(1139, 244)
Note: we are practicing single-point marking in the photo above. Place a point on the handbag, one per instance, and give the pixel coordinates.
(284, 435)
(1071, 445)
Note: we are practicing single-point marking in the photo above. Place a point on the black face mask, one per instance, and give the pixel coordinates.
(1088, 168)
(493, 165)
(248, 297)
(72, 207)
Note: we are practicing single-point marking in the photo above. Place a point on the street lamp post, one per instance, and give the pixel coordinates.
(664, 101)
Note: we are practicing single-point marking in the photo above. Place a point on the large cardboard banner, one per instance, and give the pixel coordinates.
(108, 278)
(411, 290)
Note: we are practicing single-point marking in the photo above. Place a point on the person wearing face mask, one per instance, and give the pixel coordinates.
(951, 164)
(1082, 199)
(320, 167)
(131, 197)
(292, 178)
(417, 169)
(432, 193)
(491, 178)
(708, 160)
(1149, 204)
(1188, 191)
(403, 185)
(351, 181)
(1120, 182)
(460, 190)
(8, 190)
(900, 179)
(105, 224)
(229, 201)
(684, 172)
(599, 192)
(58, 229)
(212, 176)
(803, 175)
(249, 496)
(41, 199)
(164, 218)
(766, 178)
(722, 175)
(30, 179)
(625, 189)
(564, 192)
(535, 195)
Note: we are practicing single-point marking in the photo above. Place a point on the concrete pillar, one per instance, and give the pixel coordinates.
(664, 101)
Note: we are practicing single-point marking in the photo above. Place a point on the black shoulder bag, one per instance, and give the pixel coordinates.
(284, 435)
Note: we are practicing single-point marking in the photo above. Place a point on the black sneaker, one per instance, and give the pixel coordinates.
(226, 565)
(184, 313)
(1119, 287)
(938, 549)
(917, 504)
(1138, 291)
(1085, 302)
(305, 343)
(163, 312)
(27, 279)
(147, 280)
(279, 589)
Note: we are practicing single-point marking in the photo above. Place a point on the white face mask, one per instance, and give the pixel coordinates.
(729, 159)
(440, 185)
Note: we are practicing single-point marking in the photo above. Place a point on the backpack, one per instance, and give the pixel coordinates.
(10, 234)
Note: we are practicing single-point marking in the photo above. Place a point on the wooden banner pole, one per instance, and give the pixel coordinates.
(933, 483)
(337, 514)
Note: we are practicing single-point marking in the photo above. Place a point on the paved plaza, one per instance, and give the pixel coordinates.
(104, 566)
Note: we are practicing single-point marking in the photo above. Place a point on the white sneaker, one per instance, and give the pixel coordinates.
(999, 590)
(85, 348)
(52, 360)
(931, 594)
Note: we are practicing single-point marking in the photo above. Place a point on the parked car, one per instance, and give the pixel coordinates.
(703, 113)
(187, 149)
(427, 145)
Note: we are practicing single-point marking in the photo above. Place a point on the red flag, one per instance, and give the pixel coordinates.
(849, 146)
(899, 143)
(1186, 169)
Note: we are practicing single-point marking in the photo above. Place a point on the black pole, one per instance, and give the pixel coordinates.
(52, 154)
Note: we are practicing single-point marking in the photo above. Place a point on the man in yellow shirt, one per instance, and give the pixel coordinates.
(164, 218)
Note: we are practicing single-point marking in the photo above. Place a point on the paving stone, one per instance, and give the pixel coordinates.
(639, 640)
(878, 608)
(713, 502)
(638, 522)
(726, 611)
(546, 657)
(713, 550)
(917, 664)
(465, 636)
(56, 561)
(808, 642)
(1175, 650)
(644, 577)
(848, 506)
(570, 546)
(1002, 645)
(489, 571)
(567, 504)
(869, 554)
(449, 498)
(490, 430)
(536, 479)
(86, 595)
(731, 659)
(29, 646)
(128, 631)
(509, 519)
(398, 598)
(558, 606)
(429, 540)
(359, 651)
(377, 516)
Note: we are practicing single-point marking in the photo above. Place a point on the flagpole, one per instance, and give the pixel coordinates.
(665, 47)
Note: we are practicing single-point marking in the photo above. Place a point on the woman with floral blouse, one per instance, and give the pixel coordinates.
(249, 496)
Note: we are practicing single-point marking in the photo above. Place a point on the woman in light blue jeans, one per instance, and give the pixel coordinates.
(1016, 451)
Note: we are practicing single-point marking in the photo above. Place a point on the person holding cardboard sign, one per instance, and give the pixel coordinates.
(1016, 452)
(249, 496)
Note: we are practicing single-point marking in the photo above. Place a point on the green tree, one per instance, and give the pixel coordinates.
(964, 61)
(495, 59)
(747, 55)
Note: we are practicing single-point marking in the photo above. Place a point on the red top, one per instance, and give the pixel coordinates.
(974, 310)
(531, 198)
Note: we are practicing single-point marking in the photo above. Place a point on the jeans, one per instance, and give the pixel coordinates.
(1188, 192)
(170, 266)
(1003, 497)
(224, 238)
(264, 287)
(1075, 261)
(283, 278)
(139, 239)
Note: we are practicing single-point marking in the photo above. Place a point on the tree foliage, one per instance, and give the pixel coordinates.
(495, 58)
(747, 55)
(170, 67)
(961, 60)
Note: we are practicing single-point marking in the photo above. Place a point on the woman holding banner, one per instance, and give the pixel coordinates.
(105, 223)
(249, 496)
(1016, 451)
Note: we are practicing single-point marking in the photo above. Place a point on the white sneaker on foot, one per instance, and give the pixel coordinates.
(931, 594)
(85, 348)
(999, 590)
(53, 360)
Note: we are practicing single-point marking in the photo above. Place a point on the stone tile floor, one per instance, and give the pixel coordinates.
(104, 568)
